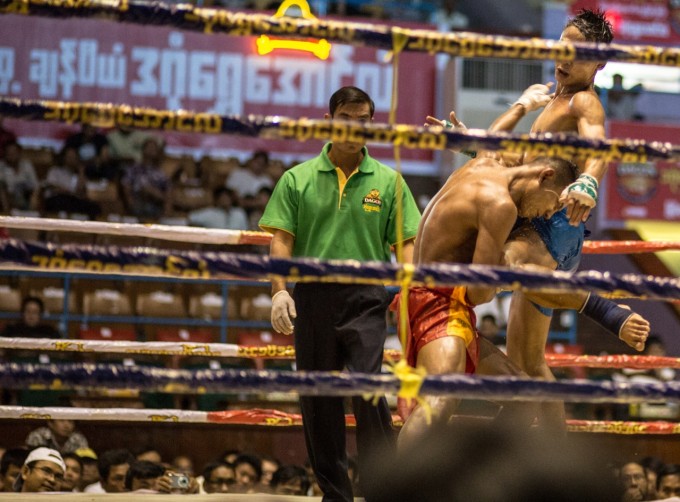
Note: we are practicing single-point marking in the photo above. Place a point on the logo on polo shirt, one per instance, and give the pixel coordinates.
(372, 201)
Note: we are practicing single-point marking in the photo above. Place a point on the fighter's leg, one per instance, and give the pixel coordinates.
(440, 356)
(493, 362)
(527, 334)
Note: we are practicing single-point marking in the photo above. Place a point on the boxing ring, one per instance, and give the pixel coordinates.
(185, 265)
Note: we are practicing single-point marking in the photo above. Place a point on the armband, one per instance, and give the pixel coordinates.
(606, 313)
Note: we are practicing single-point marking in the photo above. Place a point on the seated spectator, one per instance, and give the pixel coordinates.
(653, 466)
(126, 144)
(290, 480)
(269, 467)
(633, 479)
(668, 481)
(145, 476)
(105, 167)
(6, 136)
(248, 470)
(183, 464)
(224, 213)
(113, 466)
(10, 467)
(65, 189)
(146, 186)
(60, 435)
(255, 206)
(218, 477)
(148, 453)
(249, 179)
(18, 181)
(31, 325)
(89, 143)
(488, 327)
(73, 473)
(90, 471)
(43, 471)
(187, 173)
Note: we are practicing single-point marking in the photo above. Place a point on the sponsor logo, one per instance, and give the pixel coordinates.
(372, 201)
(637, 183)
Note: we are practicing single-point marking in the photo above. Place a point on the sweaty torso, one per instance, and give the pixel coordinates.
(556, 117)
(449, 226)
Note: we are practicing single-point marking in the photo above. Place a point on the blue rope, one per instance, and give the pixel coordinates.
(60, 376)
(459, 44)
(195, 264)
(554, 144)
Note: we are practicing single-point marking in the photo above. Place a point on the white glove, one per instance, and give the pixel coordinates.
(534, 97)
(283, 308)
(583, 190)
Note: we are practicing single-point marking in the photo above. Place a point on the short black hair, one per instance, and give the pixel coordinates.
(667, 470)
(143, 469)
(349, 94)
(75, 457)
(13, 456)
(566, 171)
(253, 460)
(109, 458)
(222, 189)
(593, 25)
(32, 299)
(287, 473)
(211, 466)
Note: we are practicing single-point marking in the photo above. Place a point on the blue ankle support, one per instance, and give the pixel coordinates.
(606, 313)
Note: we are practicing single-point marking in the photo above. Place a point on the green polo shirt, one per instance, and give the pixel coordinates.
(336, 218)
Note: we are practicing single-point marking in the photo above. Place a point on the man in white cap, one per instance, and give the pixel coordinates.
(43, 471)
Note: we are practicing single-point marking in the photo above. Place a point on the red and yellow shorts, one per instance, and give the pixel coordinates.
(434, 313)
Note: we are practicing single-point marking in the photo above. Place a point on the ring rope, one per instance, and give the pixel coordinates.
(154, 231)
(63, 376)
(275, 127)
(238, 237)
(275, 418)
(194, 264)
(272, 351)
(459, 44)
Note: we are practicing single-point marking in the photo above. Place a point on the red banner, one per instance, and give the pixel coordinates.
(91, 60)
(648, 191)
(651, 21)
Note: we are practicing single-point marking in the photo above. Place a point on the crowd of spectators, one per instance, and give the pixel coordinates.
(65, 462)
(76, 467)
(125, 174)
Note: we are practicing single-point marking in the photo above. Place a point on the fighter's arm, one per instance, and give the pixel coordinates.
(581, 196)
(495, 221)
(629, 326)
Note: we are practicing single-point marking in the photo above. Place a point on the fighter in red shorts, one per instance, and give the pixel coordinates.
(469, 221)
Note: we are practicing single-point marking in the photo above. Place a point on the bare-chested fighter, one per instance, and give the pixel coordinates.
(557, 243)
(469, 221)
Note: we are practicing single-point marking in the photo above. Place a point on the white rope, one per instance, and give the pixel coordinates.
(160, 348)
(112, 414)
(164, 232)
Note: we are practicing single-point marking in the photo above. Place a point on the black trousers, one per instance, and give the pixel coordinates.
(341, 326)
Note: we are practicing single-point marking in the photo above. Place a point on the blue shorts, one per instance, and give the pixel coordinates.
(563, 241)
